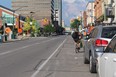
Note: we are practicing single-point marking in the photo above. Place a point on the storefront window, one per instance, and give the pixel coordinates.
(8, 18)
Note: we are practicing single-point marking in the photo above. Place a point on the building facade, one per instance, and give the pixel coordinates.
(58, 11)
(84, 19)
(114, 10)
(98, 10)
(38, 9)
(9, 19)
(90, 12)
(104, 11)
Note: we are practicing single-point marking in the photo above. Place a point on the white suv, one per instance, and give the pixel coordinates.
(107, 61)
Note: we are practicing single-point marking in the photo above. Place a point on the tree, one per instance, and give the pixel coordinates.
(60, 30)
(48, 29)
(32, 27)
(35, 28)
(27, 25)
(75, 24)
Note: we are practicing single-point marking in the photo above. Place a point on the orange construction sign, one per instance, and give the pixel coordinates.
(20, 30)
(7, 30)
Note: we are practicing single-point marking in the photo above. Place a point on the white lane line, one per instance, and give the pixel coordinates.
(6, 52)
(35, 73)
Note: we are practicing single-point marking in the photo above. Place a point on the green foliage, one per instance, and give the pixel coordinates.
(33, 28)
(27, 25)
(49, 29)
(75, 24)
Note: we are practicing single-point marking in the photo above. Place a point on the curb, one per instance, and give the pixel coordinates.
(14, 40)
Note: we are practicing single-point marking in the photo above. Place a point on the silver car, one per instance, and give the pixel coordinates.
(94, 46)
(107, 61)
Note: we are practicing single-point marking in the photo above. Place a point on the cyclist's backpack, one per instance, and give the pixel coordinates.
(74, 35)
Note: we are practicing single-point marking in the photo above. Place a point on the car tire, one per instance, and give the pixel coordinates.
(85, 59)
(92, 66)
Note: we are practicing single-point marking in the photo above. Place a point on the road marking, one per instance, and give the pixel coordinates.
(35, 73)
(4, 53)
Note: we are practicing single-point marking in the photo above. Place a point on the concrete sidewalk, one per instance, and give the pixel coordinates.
(17, 39)
(66, 63)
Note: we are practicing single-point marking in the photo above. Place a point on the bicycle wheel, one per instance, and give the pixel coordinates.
(77, 48)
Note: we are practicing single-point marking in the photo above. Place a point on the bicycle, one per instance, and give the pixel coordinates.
(77, 46)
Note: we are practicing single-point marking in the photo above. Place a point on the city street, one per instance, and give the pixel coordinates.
(42, 57)
(38, 38)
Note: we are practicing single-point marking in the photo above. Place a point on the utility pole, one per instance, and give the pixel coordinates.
(81, 19)
(13, 25)
(104, 5)
(61, 14)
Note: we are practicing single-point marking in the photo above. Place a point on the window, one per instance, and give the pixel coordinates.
(108, 32)
(114, 49)
(8, 18)
(95, 32)
(111, 48)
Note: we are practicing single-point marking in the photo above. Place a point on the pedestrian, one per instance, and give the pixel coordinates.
(77, 39)
(90, 28)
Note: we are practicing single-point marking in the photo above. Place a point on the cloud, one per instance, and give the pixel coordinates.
(69, 1)
(73, 1)
(72, 8)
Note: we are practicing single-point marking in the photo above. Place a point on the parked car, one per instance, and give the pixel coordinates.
(107, 61)
(99, 38)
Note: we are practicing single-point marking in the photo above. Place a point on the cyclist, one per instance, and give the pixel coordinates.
(77, 39)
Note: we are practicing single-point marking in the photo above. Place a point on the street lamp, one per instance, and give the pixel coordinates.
(81, 19)
(104, 11)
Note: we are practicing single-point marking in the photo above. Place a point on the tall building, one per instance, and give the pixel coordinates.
(58, 11)
(38, 9)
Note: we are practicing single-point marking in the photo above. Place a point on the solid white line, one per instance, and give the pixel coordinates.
(35, 73)
(25, 47)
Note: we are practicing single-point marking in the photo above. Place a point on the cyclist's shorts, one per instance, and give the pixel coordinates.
(77, 40)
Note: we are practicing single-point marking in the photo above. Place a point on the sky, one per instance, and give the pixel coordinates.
(70, 8)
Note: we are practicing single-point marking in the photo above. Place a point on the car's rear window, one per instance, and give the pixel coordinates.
(108, 32)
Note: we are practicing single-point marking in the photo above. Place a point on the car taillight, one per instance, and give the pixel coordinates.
(100, 42)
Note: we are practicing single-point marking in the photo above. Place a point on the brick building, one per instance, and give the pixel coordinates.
(84, 18)
(9, 18)
(90, 12)
(99, 12)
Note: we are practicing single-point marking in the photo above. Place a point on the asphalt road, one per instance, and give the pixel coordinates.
(42, 57)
